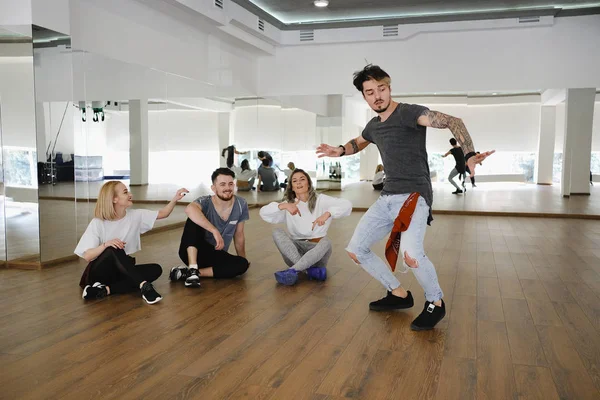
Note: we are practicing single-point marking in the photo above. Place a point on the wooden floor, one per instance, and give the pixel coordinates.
(523, 322)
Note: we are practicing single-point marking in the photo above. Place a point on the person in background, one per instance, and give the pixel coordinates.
(379, 178)
(288, 172)
(263, 155)
(459, 167)
(110, 239)
(472, 176)
(229, 152)
(245, 176)
(267, 178)
(307, 216)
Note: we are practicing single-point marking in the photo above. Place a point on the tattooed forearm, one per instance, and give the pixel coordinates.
(354, 145)
(457, 127)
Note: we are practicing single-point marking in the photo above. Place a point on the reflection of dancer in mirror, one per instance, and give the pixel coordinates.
(307, 216)
(245, 176)
(213, 222)
(379, 177)
(472, 176)
(229, 153)
(109, 240)
(404, 208)
(459, 168)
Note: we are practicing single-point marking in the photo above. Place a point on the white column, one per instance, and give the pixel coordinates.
(223, 129)
(138, 142)
(545, 156)
(579, 117)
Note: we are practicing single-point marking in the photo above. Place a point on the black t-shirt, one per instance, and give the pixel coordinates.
(459, 157)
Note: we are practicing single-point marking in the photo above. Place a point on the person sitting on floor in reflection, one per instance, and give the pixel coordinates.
(379, 178)
(267, 178)
(263, 155)
(110, 239)
(288, 172)
(245, 176)
(307, 216)
(213, 222)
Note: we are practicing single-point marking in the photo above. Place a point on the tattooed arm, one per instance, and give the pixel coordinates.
(436, 119)
(352, 147)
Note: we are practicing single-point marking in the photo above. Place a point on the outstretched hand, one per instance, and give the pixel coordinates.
(477, 159)
(325, 150)
(180, 194)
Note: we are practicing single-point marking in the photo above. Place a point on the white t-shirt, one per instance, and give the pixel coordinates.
(301, 227)
(127, 229)
(244, 175)
(379, 178)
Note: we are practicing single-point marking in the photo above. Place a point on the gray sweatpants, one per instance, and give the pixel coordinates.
(301, 254)
(453, 173)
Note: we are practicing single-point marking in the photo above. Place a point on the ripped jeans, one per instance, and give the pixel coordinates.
(377, 224)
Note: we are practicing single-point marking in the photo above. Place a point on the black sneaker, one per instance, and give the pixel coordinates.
(391, 302)
(150, 294)
(429, 318)
(457, 191)
(179, 273)
(193, 280)
(95, 291)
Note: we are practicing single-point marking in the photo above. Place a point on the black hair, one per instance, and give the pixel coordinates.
(366, 74)
(221, 171)
(261, 154)
(453, 142)
(265, 162)
(245, 165)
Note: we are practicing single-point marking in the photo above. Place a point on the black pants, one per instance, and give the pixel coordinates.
(118, 271)
(224, 265)
(378, 186)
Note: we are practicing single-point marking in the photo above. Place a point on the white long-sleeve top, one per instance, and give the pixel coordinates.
(300, 227)
(243, 175)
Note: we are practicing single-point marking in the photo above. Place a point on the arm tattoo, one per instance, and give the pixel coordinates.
(355, 148)
(457, 127)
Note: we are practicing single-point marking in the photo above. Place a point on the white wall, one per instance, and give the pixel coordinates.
(271, 127)
(17, 102)
(560, 56)
(499, 127)
(183, 131)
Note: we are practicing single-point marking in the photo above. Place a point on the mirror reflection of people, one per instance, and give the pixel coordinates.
(245, 176)
(379, 177)
(213, 223)
(263, 155)
(307, 216)
(229, 152)
(288, 172)
(399, 131)
(267, 178)
(459, 168)
(110, 239)
(471, 176)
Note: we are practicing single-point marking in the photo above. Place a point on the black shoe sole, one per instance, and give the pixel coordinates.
(389, 308)
(425, 328)
(194, 284)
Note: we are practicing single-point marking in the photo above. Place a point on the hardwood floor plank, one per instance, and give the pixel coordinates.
(495, 376)
(461, 340)
(458, 379)
(535, 383)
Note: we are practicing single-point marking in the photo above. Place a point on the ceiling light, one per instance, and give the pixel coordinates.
(321, 3)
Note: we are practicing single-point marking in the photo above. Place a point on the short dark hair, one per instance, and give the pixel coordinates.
(265, 162)
(453, 142)
(261, 154)
(367, 73)
(221, 171)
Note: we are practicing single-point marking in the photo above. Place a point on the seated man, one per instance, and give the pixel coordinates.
(213, 221)
(267, 178)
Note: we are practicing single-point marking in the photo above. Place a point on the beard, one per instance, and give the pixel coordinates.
(226, 196)
(381, 110)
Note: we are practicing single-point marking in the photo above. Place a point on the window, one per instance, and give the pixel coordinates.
(20, 168)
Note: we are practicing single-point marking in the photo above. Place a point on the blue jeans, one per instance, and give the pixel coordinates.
(377, 224)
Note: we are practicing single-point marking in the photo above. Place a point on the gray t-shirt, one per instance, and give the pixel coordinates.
(401, 143)
(239, 213)
(268, 177)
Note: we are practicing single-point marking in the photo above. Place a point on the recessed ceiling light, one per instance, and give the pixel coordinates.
(494, 94)
(321, 3)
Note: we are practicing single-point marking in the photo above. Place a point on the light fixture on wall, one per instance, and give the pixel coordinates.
(321, 3)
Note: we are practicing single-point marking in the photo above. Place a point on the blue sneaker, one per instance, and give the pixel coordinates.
(317, 273)
(287, 277)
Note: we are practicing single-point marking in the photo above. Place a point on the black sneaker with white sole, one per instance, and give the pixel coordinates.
(95, 291)
(429, 317)
(391, 302)
(150, 294)
(180, 273)
(193, 280)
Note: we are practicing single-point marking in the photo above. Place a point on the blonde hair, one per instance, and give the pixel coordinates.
(291, 166)
(379, 168)
(290, 196)
(105, 209)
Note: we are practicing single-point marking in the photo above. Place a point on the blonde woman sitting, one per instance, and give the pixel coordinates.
(307, 216)
(109, 240)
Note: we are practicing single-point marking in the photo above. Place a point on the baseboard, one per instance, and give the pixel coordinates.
(544, 184)
(24, 265)
(57, 261)
(580, 194)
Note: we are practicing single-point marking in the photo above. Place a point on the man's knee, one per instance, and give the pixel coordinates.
(353, 257)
